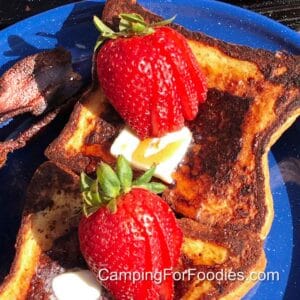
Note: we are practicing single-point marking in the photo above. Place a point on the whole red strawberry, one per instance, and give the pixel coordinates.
(127, 228)
(150, 75)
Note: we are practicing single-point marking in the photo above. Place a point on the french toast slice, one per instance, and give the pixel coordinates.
(221, 189)
(52, 211)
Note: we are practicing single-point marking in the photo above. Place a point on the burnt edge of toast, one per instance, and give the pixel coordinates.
(241, 244)
(106, 128)
(65, 255)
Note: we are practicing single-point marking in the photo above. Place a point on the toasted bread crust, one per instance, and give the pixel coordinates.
(81, 145)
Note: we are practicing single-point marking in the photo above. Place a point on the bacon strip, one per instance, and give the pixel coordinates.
(38, 84)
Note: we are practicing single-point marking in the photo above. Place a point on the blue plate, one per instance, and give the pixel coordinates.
(70, 26)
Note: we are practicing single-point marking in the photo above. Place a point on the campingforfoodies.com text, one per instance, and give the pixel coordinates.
(158, 277)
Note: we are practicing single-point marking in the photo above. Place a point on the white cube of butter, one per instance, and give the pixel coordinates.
(76, 285)
(165, 152)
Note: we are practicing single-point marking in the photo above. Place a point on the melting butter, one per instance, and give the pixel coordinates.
(166, 152)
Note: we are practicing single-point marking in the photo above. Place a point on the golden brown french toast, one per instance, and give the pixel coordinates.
(221, 190)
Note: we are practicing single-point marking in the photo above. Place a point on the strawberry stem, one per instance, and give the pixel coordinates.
(110, 184)
(129, 25)
(124, 173)
(146, 177)
(108, 180)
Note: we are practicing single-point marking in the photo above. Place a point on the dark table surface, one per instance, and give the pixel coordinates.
(286, 12)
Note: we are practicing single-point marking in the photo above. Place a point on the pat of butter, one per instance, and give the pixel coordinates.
(165, 152)
(76, 285)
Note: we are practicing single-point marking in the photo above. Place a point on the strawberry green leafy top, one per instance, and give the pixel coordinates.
(110, 184)
(130, 25)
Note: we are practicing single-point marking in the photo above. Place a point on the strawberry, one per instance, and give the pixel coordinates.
(126, 227)
(149, 74)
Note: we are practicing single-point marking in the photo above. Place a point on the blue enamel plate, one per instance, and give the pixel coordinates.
(71, 26)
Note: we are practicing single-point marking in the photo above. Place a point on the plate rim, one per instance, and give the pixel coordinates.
(292, 36)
